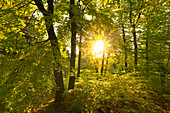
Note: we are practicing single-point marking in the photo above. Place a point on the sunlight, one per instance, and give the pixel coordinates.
(98, 48)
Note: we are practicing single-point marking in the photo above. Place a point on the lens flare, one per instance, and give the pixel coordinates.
(98, 48)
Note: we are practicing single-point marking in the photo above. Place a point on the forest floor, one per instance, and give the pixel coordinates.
(50, 107)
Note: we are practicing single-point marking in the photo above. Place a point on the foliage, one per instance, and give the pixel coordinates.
(25, 64)
(109, 93)
(27, 77)
(27, 61)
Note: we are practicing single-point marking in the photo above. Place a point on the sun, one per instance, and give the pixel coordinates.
(98, 48)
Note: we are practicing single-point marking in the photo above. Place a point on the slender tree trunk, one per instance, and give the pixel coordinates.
(169, 51)
(107, 62)
(124, 40)
(73, 42)
(147, 56)
(79, 60)
(168, 58)
(97, 69)
(55, 47)
(102, 65)
(96, 66)
(135, 46)
(80, 47)
(134, 37)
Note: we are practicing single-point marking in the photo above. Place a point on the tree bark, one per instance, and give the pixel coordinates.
(71, 82)
(73, 40)
(96, 65)
(124, 40)
(102, 68)
(96, 68)
(107, 62)
(135, 47)
(79, 60)
(55, 47)
(147, 56)
(134, 36)
(73, 36)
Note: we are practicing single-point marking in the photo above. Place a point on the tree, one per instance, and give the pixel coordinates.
(55, 47)
(102, 67)
(28, 36)
(79, 58)
(73, 35)
(134, 23)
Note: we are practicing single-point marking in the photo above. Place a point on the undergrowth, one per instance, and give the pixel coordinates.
(110, 93)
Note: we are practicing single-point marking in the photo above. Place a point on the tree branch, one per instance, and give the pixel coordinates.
(138, 19)
(23, 5)
(50, 6)
(130, 15)
(86, 5)
(10, 9)
(40, 6)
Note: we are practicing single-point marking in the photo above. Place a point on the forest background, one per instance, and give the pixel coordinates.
(84, 56)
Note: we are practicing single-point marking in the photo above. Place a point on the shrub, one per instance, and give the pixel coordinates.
(108, 93)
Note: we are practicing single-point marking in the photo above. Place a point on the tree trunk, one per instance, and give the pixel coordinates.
(55, 47)
(102, 65)
(79, 60)
(96, 66)
(71, 82)
(107, 62)
(57, 66)
(73, 40)
(73, 36)
(134, 36)
(147, 56)
(135, 46)
(124, 40)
